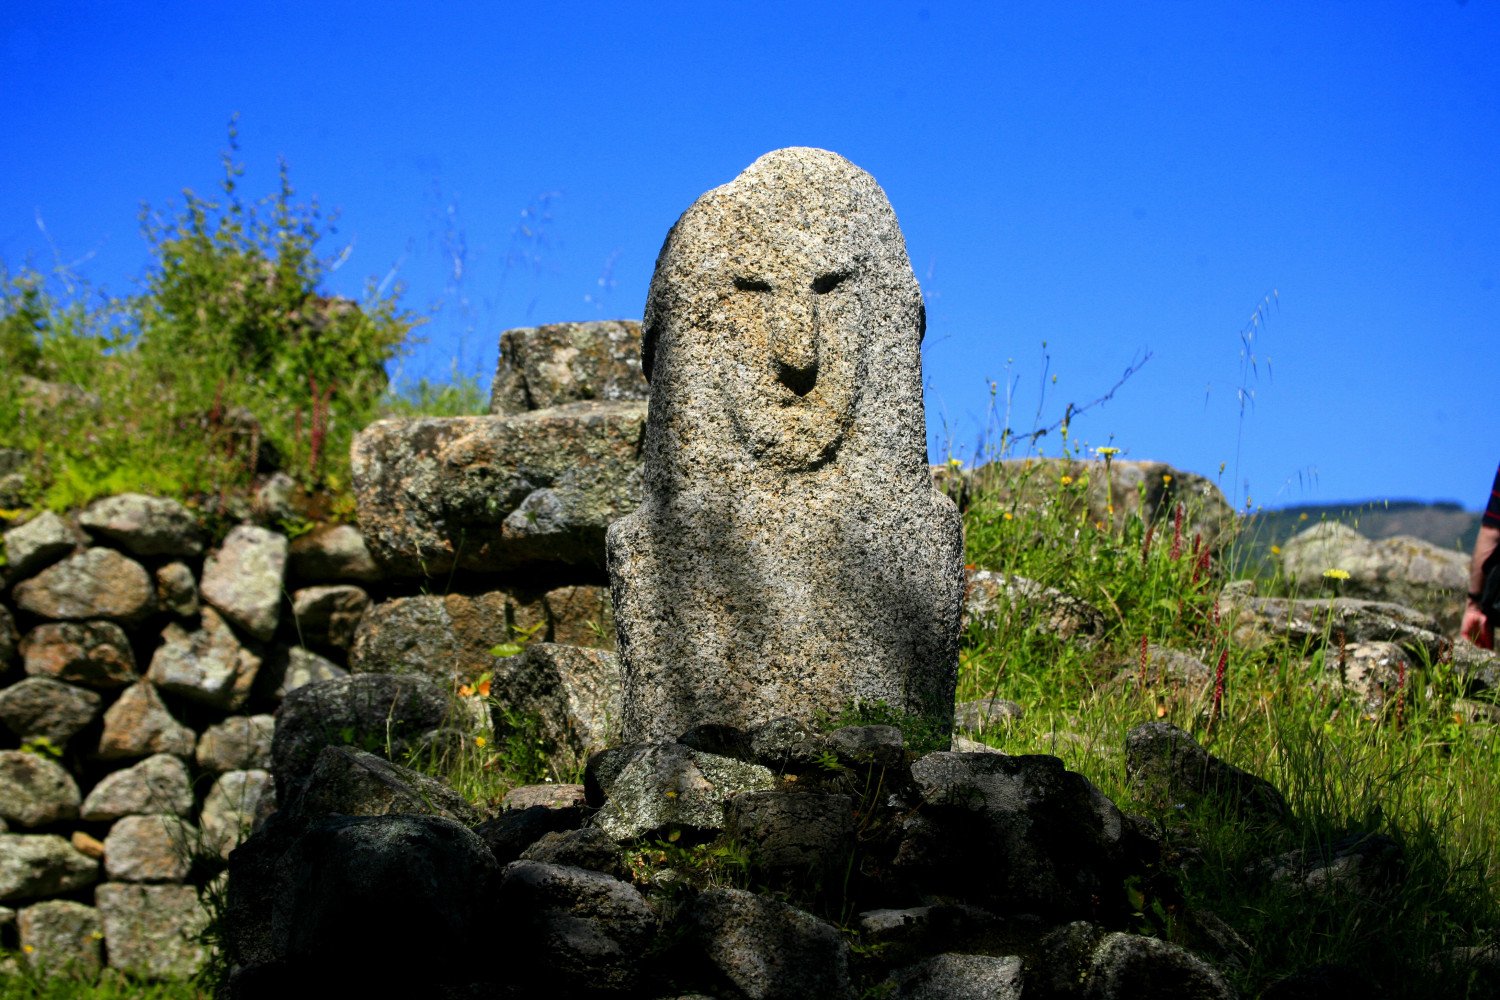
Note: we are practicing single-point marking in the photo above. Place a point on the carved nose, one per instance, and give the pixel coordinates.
(794, 344)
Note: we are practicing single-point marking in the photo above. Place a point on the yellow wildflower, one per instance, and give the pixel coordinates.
(1009, 516)
(1106, 451)
(1336, 574)
(1067, 480)
(1166, 479)
(480, 741)
(955, 463)
(1276, 550)
(1302, 516)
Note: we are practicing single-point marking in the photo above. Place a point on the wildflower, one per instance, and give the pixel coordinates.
(1276, 550)
(1146, 543)
(1177, 532)
(1067, 480)
(480, 741)
(1302, 516)
(1213, 713)
(1009, 516)
(1106, 451)
(1166, 479)
(1145, 658)
(1336, 574)
(955, 463)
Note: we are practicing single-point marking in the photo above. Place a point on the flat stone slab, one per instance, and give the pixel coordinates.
(489, 494)
(544, 366)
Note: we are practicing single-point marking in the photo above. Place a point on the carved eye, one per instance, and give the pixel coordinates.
(828, 282)
(752, 285)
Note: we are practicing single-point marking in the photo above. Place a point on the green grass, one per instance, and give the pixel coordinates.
(110, 985)
(1419, 775)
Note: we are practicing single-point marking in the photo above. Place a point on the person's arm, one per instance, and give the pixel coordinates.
(1484, 548)
(1476, 627)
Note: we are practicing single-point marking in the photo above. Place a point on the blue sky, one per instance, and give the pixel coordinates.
(1111, 179)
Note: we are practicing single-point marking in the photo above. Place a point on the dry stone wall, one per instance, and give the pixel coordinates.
(142, 667)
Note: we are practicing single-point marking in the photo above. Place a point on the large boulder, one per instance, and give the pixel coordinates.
(491, 494)
(1401, 570)
(62, 937)
(546, 366)
(994, 600)
(349, 782)
(1255, 622)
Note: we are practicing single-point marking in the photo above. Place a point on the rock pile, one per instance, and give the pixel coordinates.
(140, 667)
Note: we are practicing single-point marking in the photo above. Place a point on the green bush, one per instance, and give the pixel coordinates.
(233, 360)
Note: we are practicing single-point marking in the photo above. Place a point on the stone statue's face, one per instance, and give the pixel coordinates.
(793, 360)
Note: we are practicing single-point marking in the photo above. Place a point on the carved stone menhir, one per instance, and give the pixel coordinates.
(791, 555)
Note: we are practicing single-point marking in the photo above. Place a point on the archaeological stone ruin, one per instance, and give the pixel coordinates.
(790, 554)
(701, 563)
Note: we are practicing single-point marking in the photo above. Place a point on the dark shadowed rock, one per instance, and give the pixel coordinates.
(153, 931)
(491, 494)
(514, 830)
(371, 711)
(560, 363)
(952, 976)
(586, 848)
(35, 791)
(418, 891)
(93, 654)
(9, 640)
(349, 782)
(763, 949)
(96, 583)
(159, 784)
(1167, 766)
(868, 746)
(243, 579)
(793, 830)
(581, 932)
(138, 724)
(42, 708)
(1051, 840)
(787, 744)
(1127, 967)
(144, 525)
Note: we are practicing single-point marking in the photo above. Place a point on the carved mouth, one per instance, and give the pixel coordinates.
(800, 380)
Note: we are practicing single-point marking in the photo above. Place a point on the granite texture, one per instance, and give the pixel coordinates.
(791, 555)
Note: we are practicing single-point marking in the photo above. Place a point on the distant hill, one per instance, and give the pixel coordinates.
(1446, 524)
